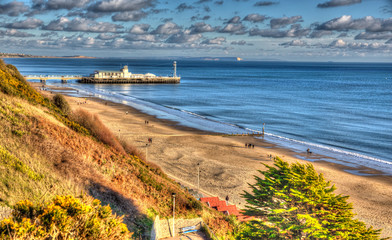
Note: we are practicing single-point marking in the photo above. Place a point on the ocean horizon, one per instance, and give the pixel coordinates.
(339, 110)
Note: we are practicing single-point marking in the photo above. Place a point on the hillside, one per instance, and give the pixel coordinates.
(45, 152)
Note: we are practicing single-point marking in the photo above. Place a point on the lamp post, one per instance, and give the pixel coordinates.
(198, 177)
(174, 208)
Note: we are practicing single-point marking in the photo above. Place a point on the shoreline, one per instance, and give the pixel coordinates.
(227, 166)
(356, 162)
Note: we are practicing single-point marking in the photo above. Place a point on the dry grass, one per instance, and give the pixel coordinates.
(25, 172)
(71, 163)
(97, 128)
(132, 150)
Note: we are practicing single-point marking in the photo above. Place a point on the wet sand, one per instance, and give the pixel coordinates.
(227, 166)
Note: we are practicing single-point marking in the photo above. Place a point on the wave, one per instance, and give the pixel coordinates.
(353, 158)
(201, 122)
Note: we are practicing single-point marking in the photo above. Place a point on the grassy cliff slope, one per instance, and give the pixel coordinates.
(43, 153)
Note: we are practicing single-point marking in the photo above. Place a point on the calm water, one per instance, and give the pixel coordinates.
(342, 110)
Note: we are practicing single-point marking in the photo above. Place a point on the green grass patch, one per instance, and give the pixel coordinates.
(7, 159)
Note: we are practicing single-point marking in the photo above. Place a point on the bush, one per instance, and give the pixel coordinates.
(60, 101)
(97, 129)
(65, 217)
(294, 202)
(13, 83)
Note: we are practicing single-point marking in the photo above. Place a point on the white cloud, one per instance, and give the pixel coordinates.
(30, 23)
(15, 33)
(201, 27)
(295, 43)
(13, 8)
(167, 28)
(369, 23)
(183, 37)
(82, 25)
(139, 28)
(129, 16)
(232, 28)
(338, 3)
(284, 21)
(254, 17)
(217, 40)
(120, 5)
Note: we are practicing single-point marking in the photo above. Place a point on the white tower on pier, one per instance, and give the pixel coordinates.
(174, 69)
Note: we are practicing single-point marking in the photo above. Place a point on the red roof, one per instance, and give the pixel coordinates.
(217, 204)
(221, 206)
(231, 209)
(213, 201)
(207, 199)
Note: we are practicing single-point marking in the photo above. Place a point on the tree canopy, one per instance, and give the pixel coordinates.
(295, 202)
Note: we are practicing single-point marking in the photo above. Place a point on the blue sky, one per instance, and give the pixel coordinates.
(295, 30)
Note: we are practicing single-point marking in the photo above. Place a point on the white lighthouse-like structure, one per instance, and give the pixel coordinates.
(174, 69)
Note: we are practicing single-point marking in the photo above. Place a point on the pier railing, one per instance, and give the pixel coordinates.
(44, 78)
(83, 79)
(131, 80)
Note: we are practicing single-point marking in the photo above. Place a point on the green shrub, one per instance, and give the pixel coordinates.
(294, 202)
(60, 101)
(65, 217)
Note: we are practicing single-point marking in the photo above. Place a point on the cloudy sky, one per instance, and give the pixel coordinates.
(296, 30)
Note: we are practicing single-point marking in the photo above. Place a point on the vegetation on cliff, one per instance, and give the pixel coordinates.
(65, 217)
(46, 153)
(294, 202)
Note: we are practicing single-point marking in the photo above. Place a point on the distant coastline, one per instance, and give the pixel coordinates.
(22, 55)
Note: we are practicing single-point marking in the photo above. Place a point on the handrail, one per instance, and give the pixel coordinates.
(210, 232)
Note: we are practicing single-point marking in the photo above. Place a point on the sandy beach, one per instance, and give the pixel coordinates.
(227, 166)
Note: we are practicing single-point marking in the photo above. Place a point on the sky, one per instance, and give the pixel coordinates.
(292, 30)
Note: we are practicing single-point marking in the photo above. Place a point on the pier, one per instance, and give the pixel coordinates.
(112, 77)
(125, 76)
(44, 78)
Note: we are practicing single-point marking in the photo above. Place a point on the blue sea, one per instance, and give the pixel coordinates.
(342, 111)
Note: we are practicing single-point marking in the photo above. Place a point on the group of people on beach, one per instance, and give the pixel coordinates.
(249, 145)
(82, 102)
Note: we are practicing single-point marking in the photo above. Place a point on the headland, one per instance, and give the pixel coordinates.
(22, 55)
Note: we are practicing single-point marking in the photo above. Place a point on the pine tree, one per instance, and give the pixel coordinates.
(295, 202)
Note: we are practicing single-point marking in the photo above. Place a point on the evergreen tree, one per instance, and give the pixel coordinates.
(294, 202)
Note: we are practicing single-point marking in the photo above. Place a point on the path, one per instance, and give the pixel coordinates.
(190, 236)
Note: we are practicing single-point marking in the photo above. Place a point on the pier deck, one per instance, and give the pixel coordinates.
(130, 80)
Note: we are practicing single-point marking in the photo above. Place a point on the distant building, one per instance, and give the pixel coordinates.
(112, 74)
(123, 73)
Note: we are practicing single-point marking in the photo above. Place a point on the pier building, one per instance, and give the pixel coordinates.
(124, 76)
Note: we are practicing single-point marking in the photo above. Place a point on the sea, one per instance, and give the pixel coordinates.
(340, 111)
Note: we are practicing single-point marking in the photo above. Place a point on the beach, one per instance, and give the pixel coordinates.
(227, 166)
